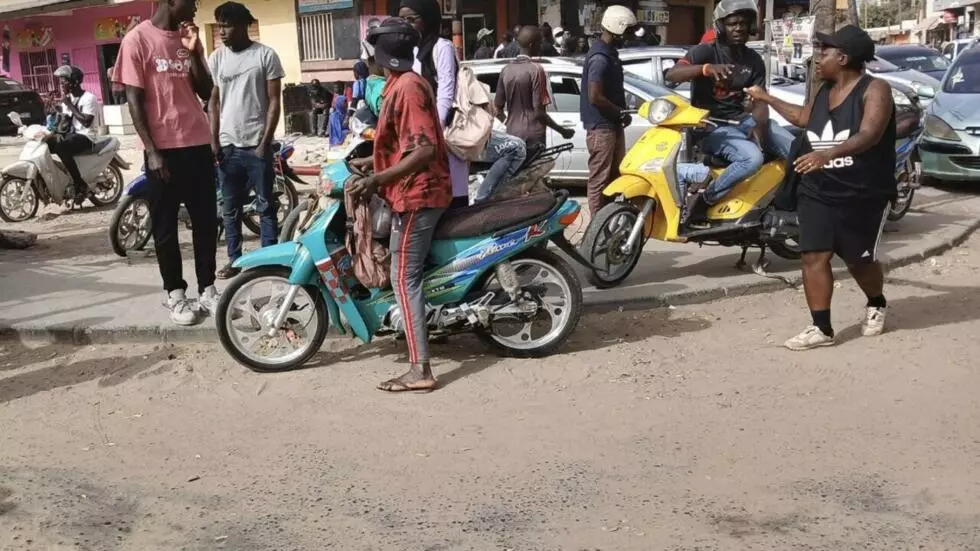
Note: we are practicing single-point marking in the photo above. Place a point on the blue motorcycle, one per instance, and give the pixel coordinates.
(130, 228)
(906, 171)
(486, 274)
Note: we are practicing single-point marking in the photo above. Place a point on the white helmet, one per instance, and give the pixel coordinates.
(616, 19)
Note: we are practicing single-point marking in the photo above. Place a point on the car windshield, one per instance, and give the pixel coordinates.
(879, 65)
(920, 61)
(964, 76)
(7, 85)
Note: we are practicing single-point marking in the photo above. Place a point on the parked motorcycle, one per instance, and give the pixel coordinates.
(906, 169)
(130, 229)
(36, 177)
(484, 275)
(652, 199)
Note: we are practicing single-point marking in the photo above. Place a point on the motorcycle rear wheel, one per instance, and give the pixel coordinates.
(242, 318)
(538, 272)
(18, 200)
(789, 249)
(607, 231)
(127, 231)
(110, 190)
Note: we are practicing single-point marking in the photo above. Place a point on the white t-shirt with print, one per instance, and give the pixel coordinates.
(86, 104)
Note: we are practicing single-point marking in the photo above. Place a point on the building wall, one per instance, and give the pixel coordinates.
(73, 33)
(277, 29)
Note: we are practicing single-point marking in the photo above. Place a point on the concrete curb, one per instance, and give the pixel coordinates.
(594, 302)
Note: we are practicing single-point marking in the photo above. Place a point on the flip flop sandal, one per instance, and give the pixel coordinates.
(395, 386)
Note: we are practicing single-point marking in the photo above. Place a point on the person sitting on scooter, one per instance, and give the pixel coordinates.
(719, 72)
(82, 108)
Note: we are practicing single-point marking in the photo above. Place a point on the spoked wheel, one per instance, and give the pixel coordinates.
(130, 228)
(18, 200)
(286, 197)
(898, 208)
(788, 249)
(548, 310)
(603, 244)
(109, 187)
(247, 310)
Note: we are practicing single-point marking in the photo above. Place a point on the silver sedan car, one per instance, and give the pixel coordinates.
(950, 143)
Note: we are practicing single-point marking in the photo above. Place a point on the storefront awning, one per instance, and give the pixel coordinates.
(929, 24)
(27, 8)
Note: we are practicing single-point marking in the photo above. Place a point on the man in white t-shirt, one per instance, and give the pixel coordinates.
(83, 109)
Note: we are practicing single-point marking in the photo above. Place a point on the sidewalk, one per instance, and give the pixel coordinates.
(71, 287)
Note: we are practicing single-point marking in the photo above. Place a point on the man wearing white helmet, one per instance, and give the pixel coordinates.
(719, 73)
(603, 105)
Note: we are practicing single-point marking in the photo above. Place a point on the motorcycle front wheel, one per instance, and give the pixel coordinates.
(18, 200)
(547, 280)
(247, 309)
(602, 245)
(130, 229)
(109, 189)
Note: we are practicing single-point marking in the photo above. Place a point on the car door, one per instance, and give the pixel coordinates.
(565, 90)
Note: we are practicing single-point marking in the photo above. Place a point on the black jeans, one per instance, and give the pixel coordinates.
(66, 146)
(191, 183)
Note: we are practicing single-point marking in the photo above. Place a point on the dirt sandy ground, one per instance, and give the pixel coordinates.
(677, 429)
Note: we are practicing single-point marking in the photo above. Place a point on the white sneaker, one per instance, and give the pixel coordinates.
(874, 322)
(209, 300)
(181, 310)
(811, 337)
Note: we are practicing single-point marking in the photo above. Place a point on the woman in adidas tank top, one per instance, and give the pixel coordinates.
(848, 178)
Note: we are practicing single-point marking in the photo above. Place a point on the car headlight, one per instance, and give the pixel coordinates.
(938, 128)
(660, 110)
(924, 90)
(900, 98)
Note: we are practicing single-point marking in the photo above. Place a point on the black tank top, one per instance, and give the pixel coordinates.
(866, 175)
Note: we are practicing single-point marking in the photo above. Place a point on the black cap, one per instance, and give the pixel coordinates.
(394, 42)
(851, 41)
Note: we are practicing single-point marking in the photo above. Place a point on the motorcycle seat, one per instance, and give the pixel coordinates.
(104, 144)
(491, 216)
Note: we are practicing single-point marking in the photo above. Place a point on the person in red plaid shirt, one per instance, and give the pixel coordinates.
(411, 173)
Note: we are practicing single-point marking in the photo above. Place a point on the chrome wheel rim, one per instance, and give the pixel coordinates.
(251, 311)
(134, 224)
(544, 285)
(108, 187)
(17, 199)
(607, 254)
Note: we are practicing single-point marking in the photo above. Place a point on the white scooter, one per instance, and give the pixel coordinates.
(37, 177)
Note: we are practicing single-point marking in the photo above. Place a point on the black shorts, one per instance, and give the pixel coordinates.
(852, 231)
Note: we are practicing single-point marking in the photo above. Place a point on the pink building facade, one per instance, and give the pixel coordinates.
(85, 37)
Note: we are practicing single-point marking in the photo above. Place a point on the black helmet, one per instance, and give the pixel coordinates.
(394, 41)
(72, 74)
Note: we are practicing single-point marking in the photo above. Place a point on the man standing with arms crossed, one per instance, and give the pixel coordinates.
(161, 63)
(603, 104)
(244, 109)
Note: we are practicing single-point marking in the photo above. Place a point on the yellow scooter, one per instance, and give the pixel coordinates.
(652, 199)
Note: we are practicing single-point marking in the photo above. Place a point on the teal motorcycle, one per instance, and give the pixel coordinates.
(487, 273)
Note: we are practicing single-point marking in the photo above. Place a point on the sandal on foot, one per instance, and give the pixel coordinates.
(228, 272)
(394, 385)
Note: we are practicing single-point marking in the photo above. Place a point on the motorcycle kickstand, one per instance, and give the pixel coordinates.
(760, 266)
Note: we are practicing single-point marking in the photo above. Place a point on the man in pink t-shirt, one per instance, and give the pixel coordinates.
(161, 63)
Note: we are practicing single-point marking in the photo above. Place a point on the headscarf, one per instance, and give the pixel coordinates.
(431, 15)
(360, 70)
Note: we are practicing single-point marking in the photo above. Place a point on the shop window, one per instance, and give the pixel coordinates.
(37, 69)
(316, 37)
(253, 33)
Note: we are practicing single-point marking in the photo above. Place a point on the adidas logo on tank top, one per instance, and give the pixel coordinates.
(828, 139)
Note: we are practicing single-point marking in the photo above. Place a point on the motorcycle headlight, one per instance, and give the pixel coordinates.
(938, 128)
(924, 90)
(660, 110)
(900, 98)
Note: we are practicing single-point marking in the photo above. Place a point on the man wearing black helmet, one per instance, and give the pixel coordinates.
(83, 109)
(848, 179)
(411, 173)
(719, 72)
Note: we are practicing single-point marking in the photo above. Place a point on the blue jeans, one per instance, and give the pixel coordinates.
(240, 171)
(735, 144)
(507, 153)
